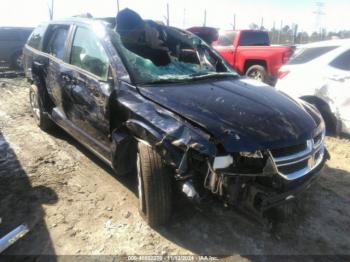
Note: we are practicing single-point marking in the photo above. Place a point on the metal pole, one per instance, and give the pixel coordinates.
(205, 17)
(118, 6)
(51, 8)
(234, 21)
(184, 19)
(279, 33)
(167, 15)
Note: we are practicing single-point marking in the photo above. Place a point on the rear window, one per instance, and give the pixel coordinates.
(253, 38)
(226, 39)
(342, 61)
(36, 37)
(55, 40)
(307, 54)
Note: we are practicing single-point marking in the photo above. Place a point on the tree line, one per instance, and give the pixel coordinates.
(289, 35)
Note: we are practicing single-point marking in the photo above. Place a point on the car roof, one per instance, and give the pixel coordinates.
(15, 28)
(78, 20)
(243, 30)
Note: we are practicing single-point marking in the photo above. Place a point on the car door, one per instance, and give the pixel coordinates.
(55, 44)
(87, 89)
(339, 86)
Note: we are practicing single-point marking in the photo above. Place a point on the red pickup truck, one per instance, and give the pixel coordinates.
(248, 51)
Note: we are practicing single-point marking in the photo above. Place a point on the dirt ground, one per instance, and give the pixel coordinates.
(74, 205)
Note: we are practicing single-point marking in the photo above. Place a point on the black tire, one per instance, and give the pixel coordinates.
(16, 61)
(40, 116)
(154, 186)
(257, 72)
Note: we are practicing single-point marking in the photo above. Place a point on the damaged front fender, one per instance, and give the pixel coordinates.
(170, 134)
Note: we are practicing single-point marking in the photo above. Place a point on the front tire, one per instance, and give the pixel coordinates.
(41, 118)
(154, 186)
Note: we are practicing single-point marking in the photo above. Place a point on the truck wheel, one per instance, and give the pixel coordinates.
(154, 186)
(41, 118)
(257, 72)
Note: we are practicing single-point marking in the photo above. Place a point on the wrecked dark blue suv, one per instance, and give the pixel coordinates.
(191, 121)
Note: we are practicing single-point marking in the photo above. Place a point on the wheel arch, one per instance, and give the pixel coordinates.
(39, 81)
(125, 139)
(250, 62)
(328, 115)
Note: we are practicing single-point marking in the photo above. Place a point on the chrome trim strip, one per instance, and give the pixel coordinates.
(295, 161)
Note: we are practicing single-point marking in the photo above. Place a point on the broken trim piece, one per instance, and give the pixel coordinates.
(13, 236)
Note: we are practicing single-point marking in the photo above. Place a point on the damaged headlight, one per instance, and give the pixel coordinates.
(221, 162)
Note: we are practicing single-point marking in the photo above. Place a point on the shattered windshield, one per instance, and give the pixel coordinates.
(176, 56)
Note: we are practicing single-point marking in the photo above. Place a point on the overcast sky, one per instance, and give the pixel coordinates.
(186, 13)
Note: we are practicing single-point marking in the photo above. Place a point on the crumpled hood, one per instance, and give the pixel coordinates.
(241, 114)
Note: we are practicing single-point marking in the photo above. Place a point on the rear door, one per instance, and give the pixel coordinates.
(55, 45)
(87, 87)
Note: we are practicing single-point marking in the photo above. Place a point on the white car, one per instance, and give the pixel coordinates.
(320, 74)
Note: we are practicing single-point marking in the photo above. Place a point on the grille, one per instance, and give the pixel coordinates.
(298, 160)
(293, 167)
(285, 151)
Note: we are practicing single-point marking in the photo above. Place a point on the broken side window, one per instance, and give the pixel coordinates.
(55, 44)
(36, 37)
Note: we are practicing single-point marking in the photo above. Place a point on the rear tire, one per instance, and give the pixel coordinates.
(154, 186)
(40, 116)
(257, 72)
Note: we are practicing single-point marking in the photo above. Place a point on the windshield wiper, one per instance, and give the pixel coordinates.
(211, 75)
(192, 77)
(161, 81)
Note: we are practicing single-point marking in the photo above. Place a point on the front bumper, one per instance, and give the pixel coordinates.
(294, 188)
